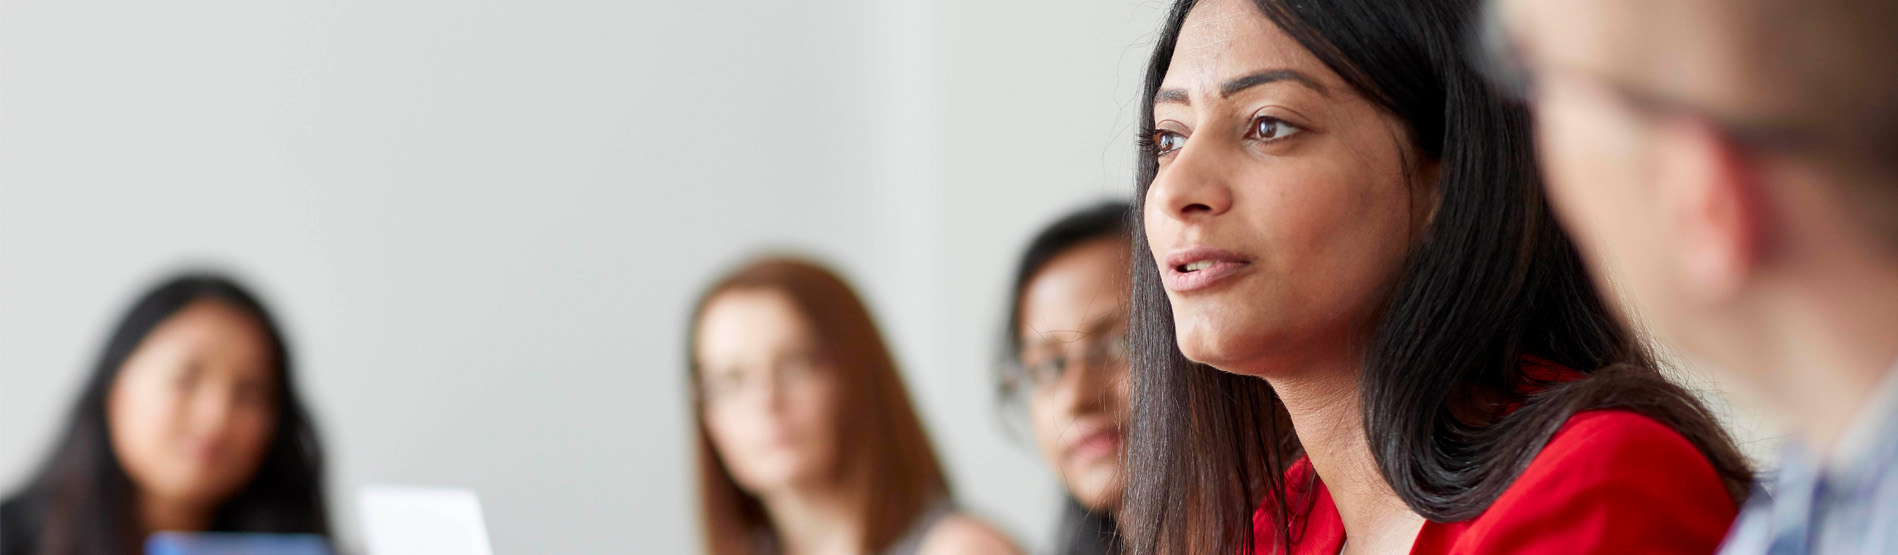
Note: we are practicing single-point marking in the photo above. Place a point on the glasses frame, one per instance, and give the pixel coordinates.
(1498, 58)
(1098, 355)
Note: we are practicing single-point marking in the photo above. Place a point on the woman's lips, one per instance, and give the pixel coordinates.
(204, 451)
(1197, 268)
(1091, 447)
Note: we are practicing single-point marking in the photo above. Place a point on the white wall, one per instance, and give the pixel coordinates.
(482, 221)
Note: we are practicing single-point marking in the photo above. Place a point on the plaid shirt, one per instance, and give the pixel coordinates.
(1849, 506)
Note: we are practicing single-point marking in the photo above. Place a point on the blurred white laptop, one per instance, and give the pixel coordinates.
(410, 520)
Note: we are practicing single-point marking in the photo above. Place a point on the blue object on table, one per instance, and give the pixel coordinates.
(179, 543)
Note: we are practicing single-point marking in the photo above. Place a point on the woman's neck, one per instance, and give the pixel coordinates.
(1324, 406)
(816, 520)
(165, 515)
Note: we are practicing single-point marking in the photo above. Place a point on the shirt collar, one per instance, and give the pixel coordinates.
(1873, 430)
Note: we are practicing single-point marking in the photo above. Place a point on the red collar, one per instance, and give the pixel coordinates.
(1321, 531)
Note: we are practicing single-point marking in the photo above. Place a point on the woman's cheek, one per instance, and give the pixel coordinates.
(257, 429)
(1047, 432)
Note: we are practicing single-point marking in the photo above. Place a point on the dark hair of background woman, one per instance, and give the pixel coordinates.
(1081, 531)
(1493, 280)
(82, 502)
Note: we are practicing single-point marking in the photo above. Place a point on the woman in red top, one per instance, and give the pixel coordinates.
(1361, 330)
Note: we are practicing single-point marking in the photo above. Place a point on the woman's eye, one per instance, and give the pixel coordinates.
(1267, 128)
(1046, 372)
(722, 383)
(1165, 142)
(252, 394)
(185, 379)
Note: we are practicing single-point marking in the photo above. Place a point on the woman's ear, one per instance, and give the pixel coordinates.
(1426, 196)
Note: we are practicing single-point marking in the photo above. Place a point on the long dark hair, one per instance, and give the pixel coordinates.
(82, 494)
(1494, 280)
(1081, 531)
(882, 442)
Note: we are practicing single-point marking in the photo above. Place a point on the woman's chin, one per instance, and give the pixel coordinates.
(1224, 353)
(1096, 492)
(1216, 338)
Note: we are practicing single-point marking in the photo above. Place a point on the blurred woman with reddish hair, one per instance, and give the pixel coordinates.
(807, 439)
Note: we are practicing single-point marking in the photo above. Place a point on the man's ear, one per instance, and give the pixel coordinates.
(1711, 203)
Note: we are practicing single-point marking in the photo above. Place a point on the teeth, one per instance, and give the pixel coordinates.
(1197, 266)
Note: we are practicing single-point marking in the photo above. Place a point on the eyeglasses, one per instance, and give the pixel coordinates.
(787, 373)
(1500, 60)
(1097, 352)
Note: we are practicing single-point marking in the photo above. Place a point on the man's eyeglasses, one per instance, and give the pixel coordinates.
(1499, 59)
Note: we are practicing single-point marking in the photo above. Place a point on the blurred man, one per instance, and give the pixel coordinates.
(1731, 169)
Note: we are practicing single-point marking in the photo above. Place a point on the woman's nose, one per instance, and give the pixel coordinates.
(1193, 186)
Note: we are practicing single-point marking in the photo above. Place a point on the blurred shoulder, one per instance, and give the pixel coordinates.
(960, 533)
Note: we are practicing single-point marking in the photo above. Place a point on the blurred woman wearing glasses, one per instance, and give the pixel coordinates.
(807, 440)
(1066, 360)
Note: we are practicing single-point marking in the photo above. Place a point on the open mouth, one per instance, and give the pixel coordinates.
(1196, 266)
(1199, 268)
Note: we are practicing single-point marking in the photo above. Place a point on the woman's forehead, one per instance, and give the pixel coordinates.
(1225, 39)
(1077, 287)
(749, 326)
(1077, 327)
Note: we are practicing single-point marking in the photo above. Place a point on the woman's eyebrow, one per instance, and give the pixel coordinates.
(1106, 322)
(1227, 89)
(1271, 76)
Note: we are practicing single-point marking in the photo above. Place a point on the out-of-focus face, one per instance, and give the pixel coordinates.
(769, 395)
(1285, 203)
(1073, 334)
(1604, 155)
(193, 410)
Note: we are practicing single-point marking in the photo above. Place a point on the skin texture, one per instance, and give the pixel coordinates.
(1757, 263)
(770, 412)
(1323, 207)
(192, 413)
(1074, 302)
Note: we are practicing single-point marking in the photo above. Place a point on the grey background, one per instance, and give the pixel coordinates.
(482, 222)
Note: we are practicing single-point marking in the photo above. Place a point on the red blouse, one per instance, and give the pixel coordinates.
(1609, 481)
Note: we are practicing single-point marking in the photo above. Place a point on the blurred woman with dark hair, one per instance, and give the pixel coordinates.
(190, 422)
(807, 441)
(1066, 361)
